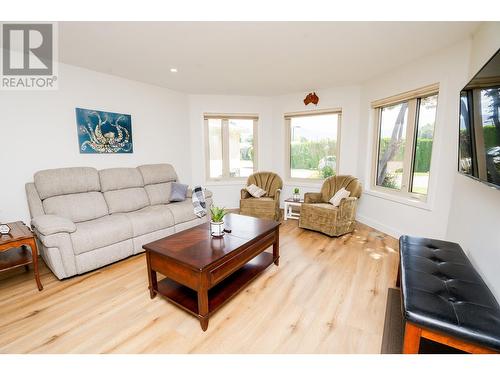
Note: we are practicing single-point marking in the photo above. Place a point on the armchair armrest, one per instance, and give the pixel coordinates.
(52, 224)
(245, 194)
(277, 195)
(347, 208)
(313, 198)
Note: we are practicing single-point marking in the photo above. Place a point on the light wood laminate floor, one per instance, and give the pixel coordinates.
(327, 296)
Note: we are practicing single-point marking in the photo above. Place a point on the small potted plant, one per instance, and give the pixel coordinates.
(296, 194)
(217, 221)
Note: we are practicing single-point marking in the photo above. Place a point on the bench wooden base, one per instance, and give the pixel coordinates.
(413, 333)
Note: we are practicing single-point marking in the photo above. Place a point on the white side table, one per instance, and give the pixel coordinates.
(289, 204)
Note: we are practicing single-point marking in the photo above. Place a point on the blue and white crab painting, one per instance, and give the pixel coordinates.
(103, 132)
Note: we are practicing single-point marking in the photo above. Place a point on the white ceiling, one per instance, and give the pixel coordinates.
(252, 58)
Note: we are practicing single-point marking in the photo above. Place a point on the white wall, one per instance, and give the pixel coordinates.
(474, 215)
(271, 134)
(347, 98)
(38, 130)
(448, 68)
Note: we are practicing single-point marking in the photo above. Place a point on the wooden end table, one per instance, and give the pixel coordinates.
(13, 251)
(202, 272)
(289, 204)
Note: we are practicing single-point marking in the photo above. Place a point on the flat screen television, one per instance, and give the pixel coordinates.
(479, 139)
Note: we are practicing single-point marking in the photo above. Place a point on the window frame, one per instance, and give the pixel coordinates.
(413, 98)
(288, 139)
(225, 144)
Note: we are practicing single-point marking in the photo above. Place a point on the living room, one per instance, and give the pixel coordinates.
(250, 187)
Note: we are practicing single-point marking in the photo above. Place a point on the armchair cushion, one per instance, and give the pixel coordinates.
(338, 196)
(51, 224)
(255, 191)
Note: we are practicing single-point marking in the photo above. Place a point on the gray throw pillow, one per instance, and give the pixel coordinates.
(179, 192)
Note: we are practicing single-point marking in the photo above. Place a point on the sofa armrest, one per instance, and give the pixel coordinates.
(52, 224)
(245, 194)
(57, 249)
(313, 198)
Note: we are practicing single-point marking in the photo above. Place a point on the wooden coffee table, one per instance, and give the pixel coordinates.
(202, 272)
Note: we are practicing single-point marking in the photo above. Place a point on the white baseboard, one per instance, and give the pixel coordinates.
(379, 226)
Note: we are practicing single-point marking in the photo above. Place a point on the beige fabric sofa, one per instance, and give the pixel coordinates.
(85, 219)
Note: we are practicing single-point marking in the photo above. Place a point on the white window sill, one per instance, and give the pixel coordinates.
(304, 183)
(408, 201)
(225, 182)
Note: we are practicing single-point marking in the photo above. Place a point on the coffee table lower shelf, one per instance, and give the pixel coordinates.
(187, 298)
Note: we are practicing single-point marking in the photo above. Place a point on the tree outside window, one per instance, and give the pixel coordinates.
(405, 136)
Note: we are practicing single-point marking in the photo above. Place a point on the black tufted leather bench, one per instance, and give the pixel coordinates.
(445, 299)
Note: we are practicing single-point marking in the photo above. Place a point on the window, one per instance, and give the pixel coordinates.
(313, 139)
(489, 132)
(404, 138)
(231, 146)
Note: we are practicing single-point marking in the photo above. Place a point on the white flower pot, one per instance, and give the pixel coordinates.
(296, 197)
(217, 229)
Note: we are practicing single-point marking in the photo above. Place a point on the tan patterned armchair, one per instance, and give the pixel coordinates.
(267, 206)
(316, 213)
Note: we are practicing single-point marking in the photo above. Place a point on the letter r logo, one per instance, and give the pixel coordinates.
(28, 49)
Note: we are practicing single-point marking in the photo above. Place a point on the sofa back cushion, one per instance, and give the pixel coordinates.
(73, 193)
(157, 173)
(158, 180)
(159, 193)
(77, 207)
(52, 182)
(123, 189)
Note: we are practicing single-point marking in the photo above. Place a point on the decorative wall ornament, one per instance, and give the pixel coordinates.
(311, 98)
(103, 132)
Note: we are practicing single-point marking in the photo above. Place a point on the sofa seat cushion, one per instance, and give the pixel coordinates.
(105, 231)
(150, 219)
(77, 207)
(182, 211)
